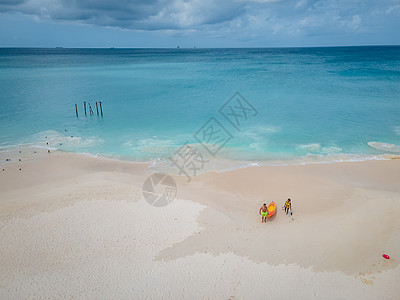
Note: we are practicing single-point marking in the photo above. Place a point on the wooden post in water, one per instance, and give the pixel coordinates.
(97, 108)
(101, 109)
(84, 107)
(76, 110)
(90, 109)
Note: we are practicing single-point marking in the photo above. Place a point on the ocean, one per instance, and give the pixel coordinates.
(270, 105)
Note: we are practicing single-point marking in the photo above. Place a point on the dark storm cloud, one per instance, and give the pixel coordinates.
(11, 2)
(116, 10)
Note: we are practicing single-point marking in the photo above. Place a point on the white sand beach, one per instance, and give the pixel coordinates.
(73, 226)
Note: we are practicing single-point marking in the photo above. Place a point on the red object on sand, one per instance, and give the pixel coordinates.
(386, 256)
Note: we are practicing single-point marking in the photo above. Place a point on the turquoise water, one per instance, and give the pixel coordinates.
(310, 102)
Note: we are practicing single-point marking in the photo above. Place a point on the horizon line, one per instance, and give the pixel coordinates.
(195, 47)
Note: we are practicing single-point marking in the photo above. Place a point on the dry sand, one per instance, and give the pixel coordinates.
(73, 226)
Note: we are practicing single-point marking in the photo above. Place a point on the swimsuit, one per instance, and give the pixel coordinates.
(264, 214)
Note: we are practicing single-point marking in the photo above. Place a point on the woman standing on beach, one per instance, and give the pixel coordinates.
(288, 205)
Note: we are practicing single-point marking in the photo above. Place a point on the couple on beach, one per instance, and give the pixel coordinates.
(264, 210)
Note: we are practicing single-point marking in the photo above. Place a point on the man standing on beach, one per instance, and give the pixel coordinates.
(263, 212)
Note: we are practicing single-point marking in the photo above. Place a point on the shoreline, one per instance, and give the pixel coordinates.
(219, 164)
(345, 217)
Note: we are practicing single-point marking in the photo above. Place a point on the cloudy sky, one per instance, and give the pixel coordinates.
(200, 23)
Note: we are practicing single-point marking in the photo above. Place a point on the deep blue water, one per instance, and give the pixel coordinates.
(310, 101)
